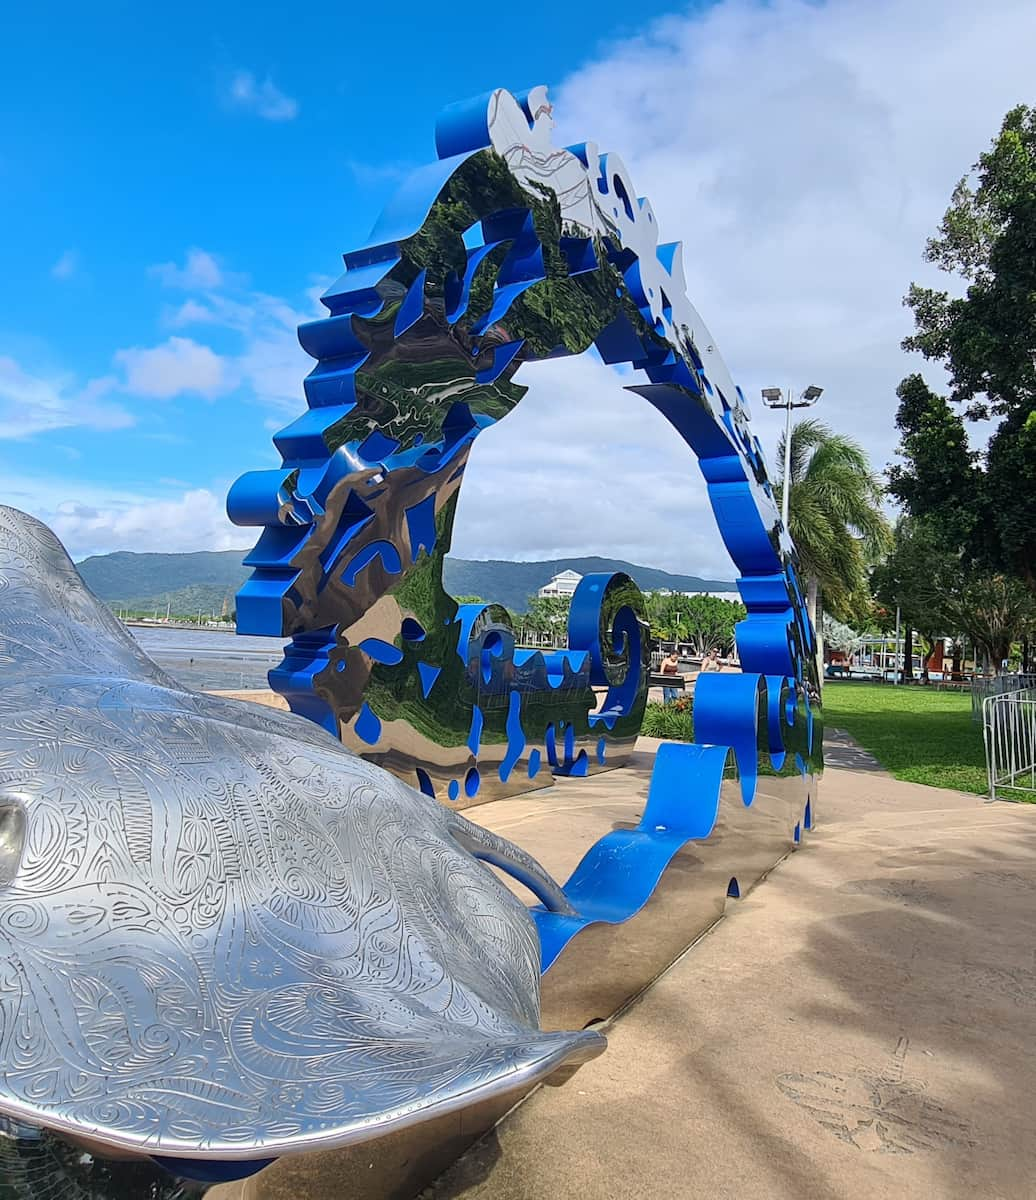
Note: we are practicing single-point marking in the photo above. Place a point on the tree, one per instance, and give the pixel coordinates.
(940, 479)
(547, 617)
(915, 578)
(994, 611)
(836, 519)
(986, 340)
(703, 621)
(840, 637)
(941, 593)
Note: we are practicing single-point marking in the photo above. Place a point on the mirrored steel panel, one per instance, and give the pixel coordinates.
(223, 936)
(506, 250)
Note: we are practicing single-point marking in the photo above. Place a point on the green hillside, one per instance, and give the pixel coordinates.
(201, 582)
(186, 583)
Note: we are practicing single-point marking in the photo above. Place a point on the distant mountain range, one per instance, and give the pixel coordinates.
(207, 581)
(203, 582)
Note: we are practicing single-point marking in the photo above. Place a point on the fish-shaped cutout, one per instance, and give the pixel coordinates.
(222, 934)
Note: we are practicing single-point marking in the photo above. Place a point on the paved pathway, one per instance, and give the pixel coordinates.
(841, 750)
(861, 1027)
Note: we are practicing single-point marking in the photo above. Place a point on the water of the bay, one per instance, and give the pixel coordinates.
(210, 659)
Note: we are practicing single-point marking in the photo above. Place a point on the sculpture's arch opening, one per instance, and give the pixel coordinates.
(581, 468)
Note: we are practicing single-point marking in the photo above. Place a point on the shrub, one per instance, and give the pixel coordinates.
(673, 722)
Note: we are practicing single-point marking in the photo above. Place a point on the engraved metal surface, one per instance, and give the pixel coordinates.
(507, 250)
(223, 935)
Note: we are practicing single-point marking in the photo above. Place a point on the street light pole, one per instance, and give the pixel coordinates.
(786, 490)
(774, 398)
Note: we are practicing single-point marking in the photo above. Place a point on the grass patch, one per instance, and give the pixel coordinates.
(918, 734)
(673, 722)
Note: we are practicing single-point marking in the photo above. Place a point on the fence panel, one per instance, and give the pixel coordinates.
(984, 686)
(1009, 733)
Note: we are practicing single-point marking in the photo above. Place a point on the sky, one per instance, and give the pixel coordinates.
(177, 184)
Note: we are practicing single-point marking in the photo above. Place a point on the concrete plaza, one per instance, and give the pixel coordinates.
(860, 1025)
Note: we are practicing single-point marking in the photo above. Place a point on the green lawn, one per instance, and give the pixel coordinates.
(916, 733)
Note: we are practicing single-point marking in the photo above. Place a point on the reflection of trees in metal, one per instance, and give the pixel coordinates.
(506, 251)
(36, 1165)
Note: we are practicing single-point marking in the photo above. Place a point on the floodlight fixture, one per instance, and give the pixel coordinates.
(775, 398)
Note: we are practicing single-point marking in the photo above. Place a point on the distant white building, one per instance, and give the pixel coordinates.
(719, 595)
(736, 596)
(564, 584)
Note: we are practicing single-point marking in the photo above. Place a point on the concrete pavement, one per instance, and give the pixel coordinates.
(861, 1026)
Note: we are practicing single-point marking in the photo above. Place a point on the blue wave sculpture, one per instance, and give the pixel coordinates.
(504, 251)
(224, 937)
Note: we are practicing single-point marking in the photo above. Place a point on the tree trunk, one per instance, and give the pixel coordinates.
(908, 653)
(815, 609)
(813, 600)
(955, 665)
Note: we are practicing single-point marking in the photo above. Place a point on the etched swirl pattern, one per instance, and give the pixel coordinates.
(226, 935)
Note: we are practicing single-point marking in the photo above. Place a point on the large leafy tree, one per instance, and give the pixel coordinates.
(994, 610)
(914, 578)
(704, 621)
(941, 593)
(940, 479)
(986, 340)
(547, 617)
(835, 517)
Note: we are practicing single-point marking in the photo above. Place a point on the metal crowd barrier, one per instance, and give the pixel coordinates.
(1009, 733)
(984, 686)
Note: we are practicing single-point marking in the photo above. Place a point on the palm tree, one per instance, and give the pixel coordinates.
(835, 516)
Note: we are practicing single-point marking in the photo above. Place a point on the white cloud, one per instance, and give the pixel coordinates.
(263, 98)
(196, 520)
(269, 360)
(96, 519)
(200, 270)
(34, 403)
(378, 174)
(802, 152)
(178, 365)
(66, 266)
(191, 312)
(581, 467)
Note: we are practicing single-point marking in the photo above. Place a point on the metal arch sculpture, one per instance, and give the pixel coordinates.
(194, 896)
(506, 250)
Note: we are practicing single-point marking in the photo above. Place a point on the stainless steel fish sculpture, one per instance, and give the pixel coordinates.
(222, 934)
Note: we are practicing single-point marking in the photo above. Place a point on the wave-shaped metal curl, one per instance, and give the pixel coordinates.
(506, 250)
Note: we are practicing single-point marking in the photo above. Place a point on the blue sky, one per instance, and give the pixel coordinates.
(268, 136)
(177, 182)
